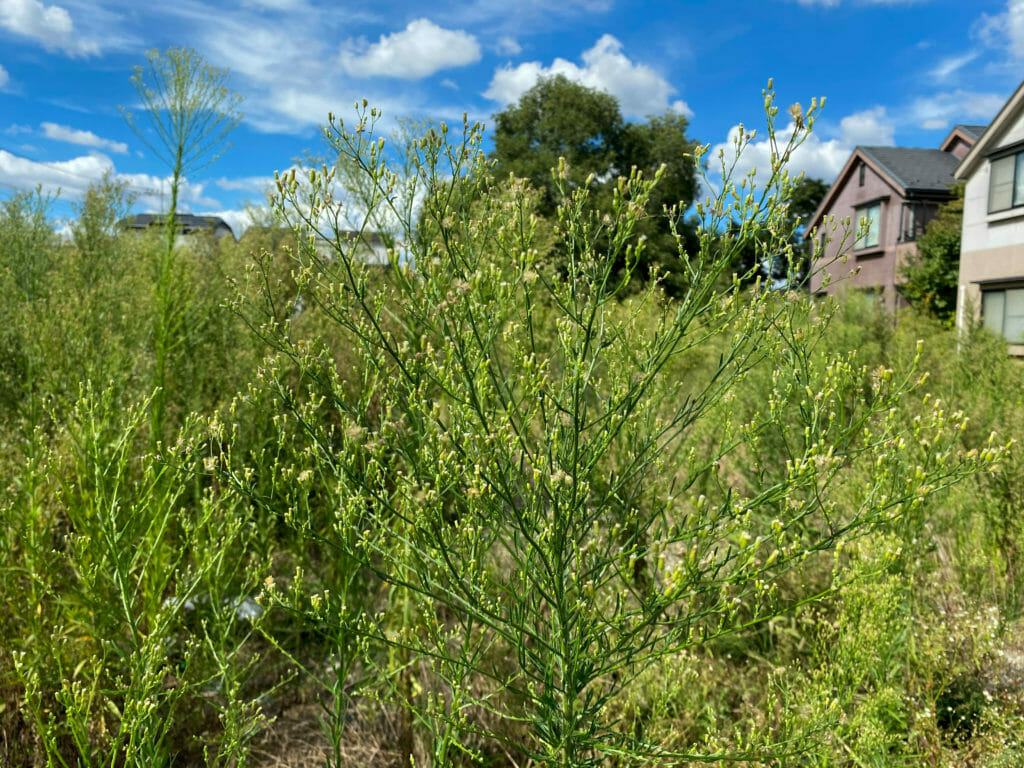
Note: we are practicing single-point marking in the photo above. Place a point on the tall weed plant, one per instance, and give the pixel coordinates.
(513, 457)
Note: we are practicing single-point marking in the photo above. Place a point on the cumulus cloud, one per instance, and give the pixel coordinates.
(49, 25)
(239, 220)
(83, 138)
(944, 109)
(1002, 31)
(1015, 27)
(418, 51)
(870, 127)
(639, 88)
(292, 88)
(4, 77)
(816, 157)
(73, 177)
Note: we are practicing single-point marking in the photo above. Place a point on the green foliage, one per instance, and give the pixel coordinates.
(516, 458)
(26, 241)
(559, 120)
(931, 275)
(189, 112)
(476, 508)
(790, 265)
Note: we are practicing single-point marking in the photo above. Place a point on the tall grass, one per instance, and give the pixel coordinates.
(478, 508)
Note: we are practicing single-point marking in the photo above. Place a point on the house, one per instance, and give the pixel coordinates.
(991, 284)
(186, 224)
(897, 190)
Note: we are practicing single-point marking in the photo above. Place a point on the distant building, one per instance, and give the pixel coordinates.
(186, 224)
(992, 246)
(897, 190)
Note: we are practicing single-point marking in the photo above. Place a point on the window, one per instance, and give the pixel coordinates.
(1002, 311)
(860, 175)
(868, 237)
(1006, 183)
(915, 217)
(909, 228)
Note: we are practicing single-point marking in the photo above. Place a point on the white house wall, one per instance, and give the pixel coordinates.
(992, 246)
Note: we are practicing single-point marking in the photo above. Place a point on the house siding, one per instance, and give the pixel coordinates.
(872, 269)
(992, 245)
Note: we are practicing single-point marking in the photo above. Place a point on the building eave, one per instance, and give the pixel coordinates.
(987, 139)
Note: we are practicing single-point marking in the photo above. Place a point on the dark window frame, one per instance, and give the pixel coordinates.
(864, 244)
(1016, 187)
(1001, 287)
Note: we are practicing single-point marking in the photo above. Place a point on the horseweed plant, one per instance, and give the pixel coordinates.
(518, 447)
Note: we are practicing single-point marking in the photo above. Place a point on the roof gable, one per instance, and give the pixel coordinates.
(910, 171)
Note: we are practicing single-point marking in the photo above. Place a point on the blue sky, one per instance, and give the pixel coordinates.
(893, 71)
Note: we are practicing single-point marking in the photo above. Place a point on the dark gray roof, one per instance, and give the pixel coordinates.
(974, 131)
(916, 170)
(184, 222)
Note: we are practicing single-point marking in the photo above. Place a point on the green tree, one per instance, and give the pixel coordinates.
(559, 119)
(26, 240)
(188, 111)
(94, 231)
(933, 272)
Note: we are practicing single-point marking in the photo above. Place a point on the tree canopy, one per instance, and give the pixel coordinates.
(558, 118)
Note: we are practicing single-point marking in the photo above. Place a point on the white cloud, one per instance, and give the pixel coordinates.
(639, 88)
(949, 66)
(49, 25)
(4, 77)
(816, 157)
(870, 127)
(15, 128)
(944, 109)
(1015, 27)
(83, 138)
(1002, 30)
(238, 220)
(418, 51)
(508, 46)
(73, 177)
(291, 88)
(254, 184)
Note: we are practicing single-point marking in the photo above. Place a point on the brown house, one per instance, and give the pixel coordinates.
(897, 191)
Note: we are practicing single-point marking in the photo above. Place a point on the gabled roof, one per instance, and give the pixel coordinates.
(966, 134)
(915, 170)
(910, 171)
(973, 131)
(185, 222)
(988, 139)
